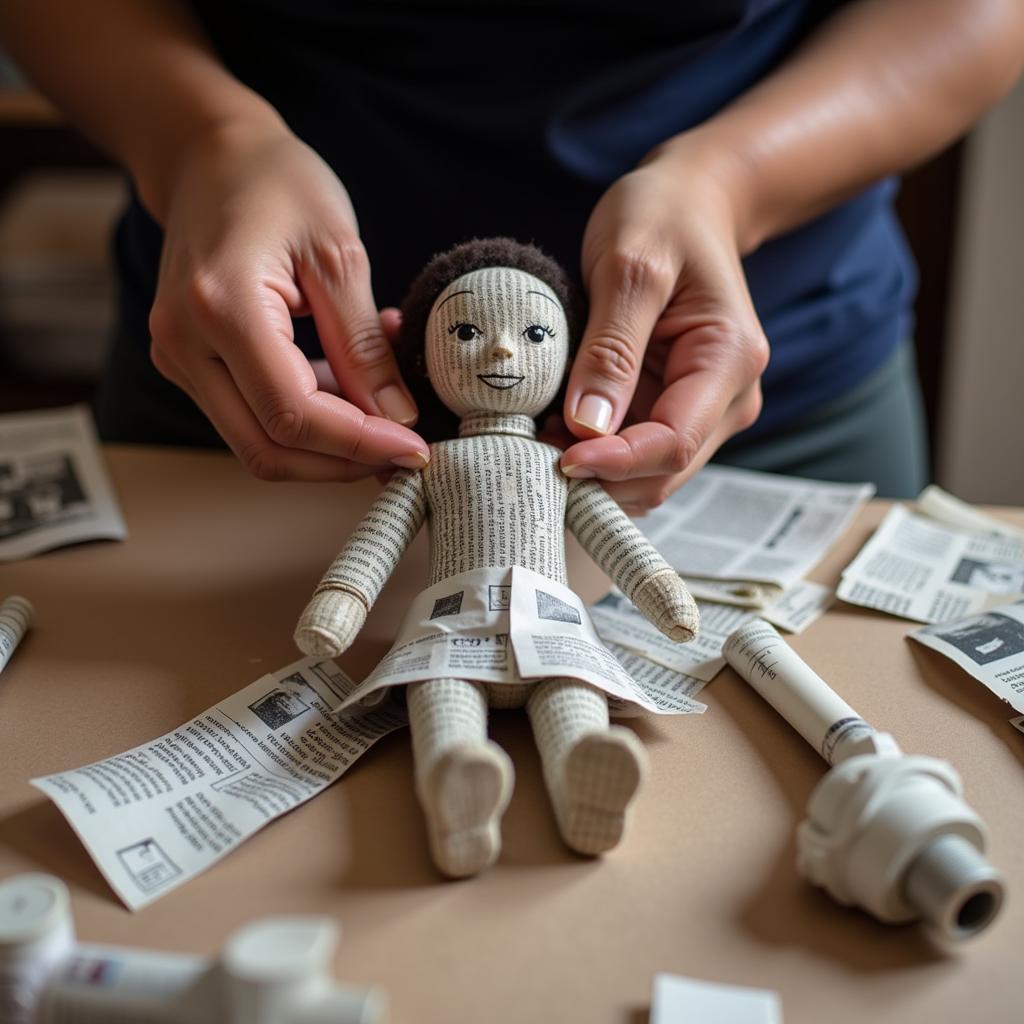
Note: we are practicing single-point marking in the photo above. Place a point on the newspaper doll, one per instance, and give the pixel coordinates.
(493, 315)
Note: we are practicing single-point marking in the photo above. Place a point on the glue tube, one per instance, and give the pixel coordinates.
(271, 972)
(885, 831)
(15, 615)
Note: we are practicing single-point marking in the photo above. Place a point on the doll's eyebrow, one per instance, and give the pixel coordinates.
(453, 294)
(543, 296)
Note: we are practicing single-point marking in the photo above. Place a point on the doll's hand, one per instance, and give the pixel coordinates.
(664, 601)
(258, 229)
(673, 346)
(330, 623)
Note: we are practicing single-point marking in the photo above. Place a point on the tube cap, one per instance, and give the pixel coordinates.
(33, 908)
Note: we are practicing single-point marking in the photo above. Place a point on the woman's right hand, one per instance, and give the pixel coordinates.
(259, 229)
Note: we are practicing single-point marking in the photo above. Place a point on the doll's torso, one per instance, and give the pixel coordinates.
(495, 500)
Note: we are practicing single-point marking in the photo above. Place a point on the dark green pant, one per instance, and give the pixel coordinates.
(874, 433)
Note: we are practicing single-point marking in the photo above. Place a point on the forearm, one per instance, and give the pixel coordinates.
(137, 76)
(373, 551)
(881, 86)
(607, 534)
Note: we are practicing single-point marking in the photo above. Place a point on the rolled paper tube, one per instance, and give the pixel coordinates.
(760, 655)
(15, 616)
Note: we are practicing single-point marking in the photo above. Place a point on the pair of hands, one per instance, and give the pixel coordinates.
(259, 229)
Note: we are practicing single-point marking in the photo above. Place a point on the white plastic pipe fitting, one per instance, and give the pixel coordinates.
(887, 832)
(273, 971)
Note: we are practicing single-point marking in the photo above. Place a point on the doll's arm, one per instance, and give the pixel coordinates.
(346, 593)
(630, 560)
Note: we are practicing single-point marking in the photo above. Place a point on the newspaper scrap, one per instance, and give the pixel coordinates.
(919, 568)
(54, 488)
(1018, 722)
(672, 691)
(506, 625)
(942, 506)
(990, 647)
(679, 1000)
(742, 537)
(158, 815)
(798, 606)
(618, 621)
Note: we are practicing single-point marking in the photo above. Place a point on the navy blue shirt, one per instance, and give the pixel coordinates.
(454, 120)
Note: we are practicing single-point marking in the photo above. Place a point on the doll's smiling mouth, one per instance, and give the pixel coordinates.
(499, 381)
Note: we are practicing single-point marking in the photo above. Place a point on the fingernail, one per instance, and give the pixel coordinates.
(391, 401)
(416, 460)
(634, 511)
(578, 472)
(595, 412)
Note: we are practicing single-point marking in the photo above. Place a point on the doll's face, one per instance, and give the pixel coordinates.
(497, 341)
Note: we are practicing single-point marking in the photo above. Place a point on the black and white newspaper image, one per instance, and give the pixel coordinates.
(989, 646)
(919, 568)
(54, 487)
(742, 537)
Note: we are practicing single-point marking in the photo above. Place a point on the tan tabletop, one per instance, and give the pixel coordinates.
(132, 639)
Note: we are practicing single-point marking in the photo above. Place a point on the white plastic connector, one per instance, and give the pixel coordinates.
(893, 835)
(885, 831)
(273, 971)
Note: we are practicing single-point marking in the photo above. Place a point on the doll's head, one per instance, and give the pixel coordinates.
(490, 321)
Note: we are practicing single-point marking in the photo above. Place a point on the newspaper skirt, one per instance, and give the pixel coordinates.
(502, 626)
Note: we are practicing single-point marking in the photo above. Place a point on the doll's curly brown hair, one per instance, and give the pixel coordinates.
(437, 422)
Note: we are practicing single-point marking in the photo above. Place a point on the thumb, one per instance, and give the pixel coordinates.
(627, 296)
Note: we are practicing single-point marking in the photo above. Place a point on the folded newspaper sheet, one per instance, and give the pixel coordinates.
(161, 813)
(618, 622)
(1018, 722)
(920, 568)
(989, 647)
(742, 537)
(54, 488)
(502, 625)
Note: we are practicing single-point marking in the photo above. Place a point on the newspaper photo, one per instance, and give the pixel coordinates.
(617, 621)
(990, 647)
(161, 813)
(741, 537)
(54, 488)
(916, 567)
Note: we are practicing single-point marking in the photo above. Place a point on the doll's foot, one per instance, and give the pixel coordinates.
(603, 773)
(464, 796)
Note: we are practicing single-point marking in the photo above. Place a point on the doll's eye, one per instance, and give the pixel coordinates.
(465, 332)
(537, 334)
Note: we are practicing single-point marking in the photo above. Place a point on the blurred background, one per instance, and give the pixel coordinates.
(963, 213)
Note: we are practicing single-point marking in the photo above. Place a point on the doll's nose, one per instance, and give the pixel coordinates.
(502, 350)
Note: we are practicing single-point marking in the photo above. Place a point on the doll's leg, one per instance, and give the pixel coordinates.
(463, 779)
(592, 769)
